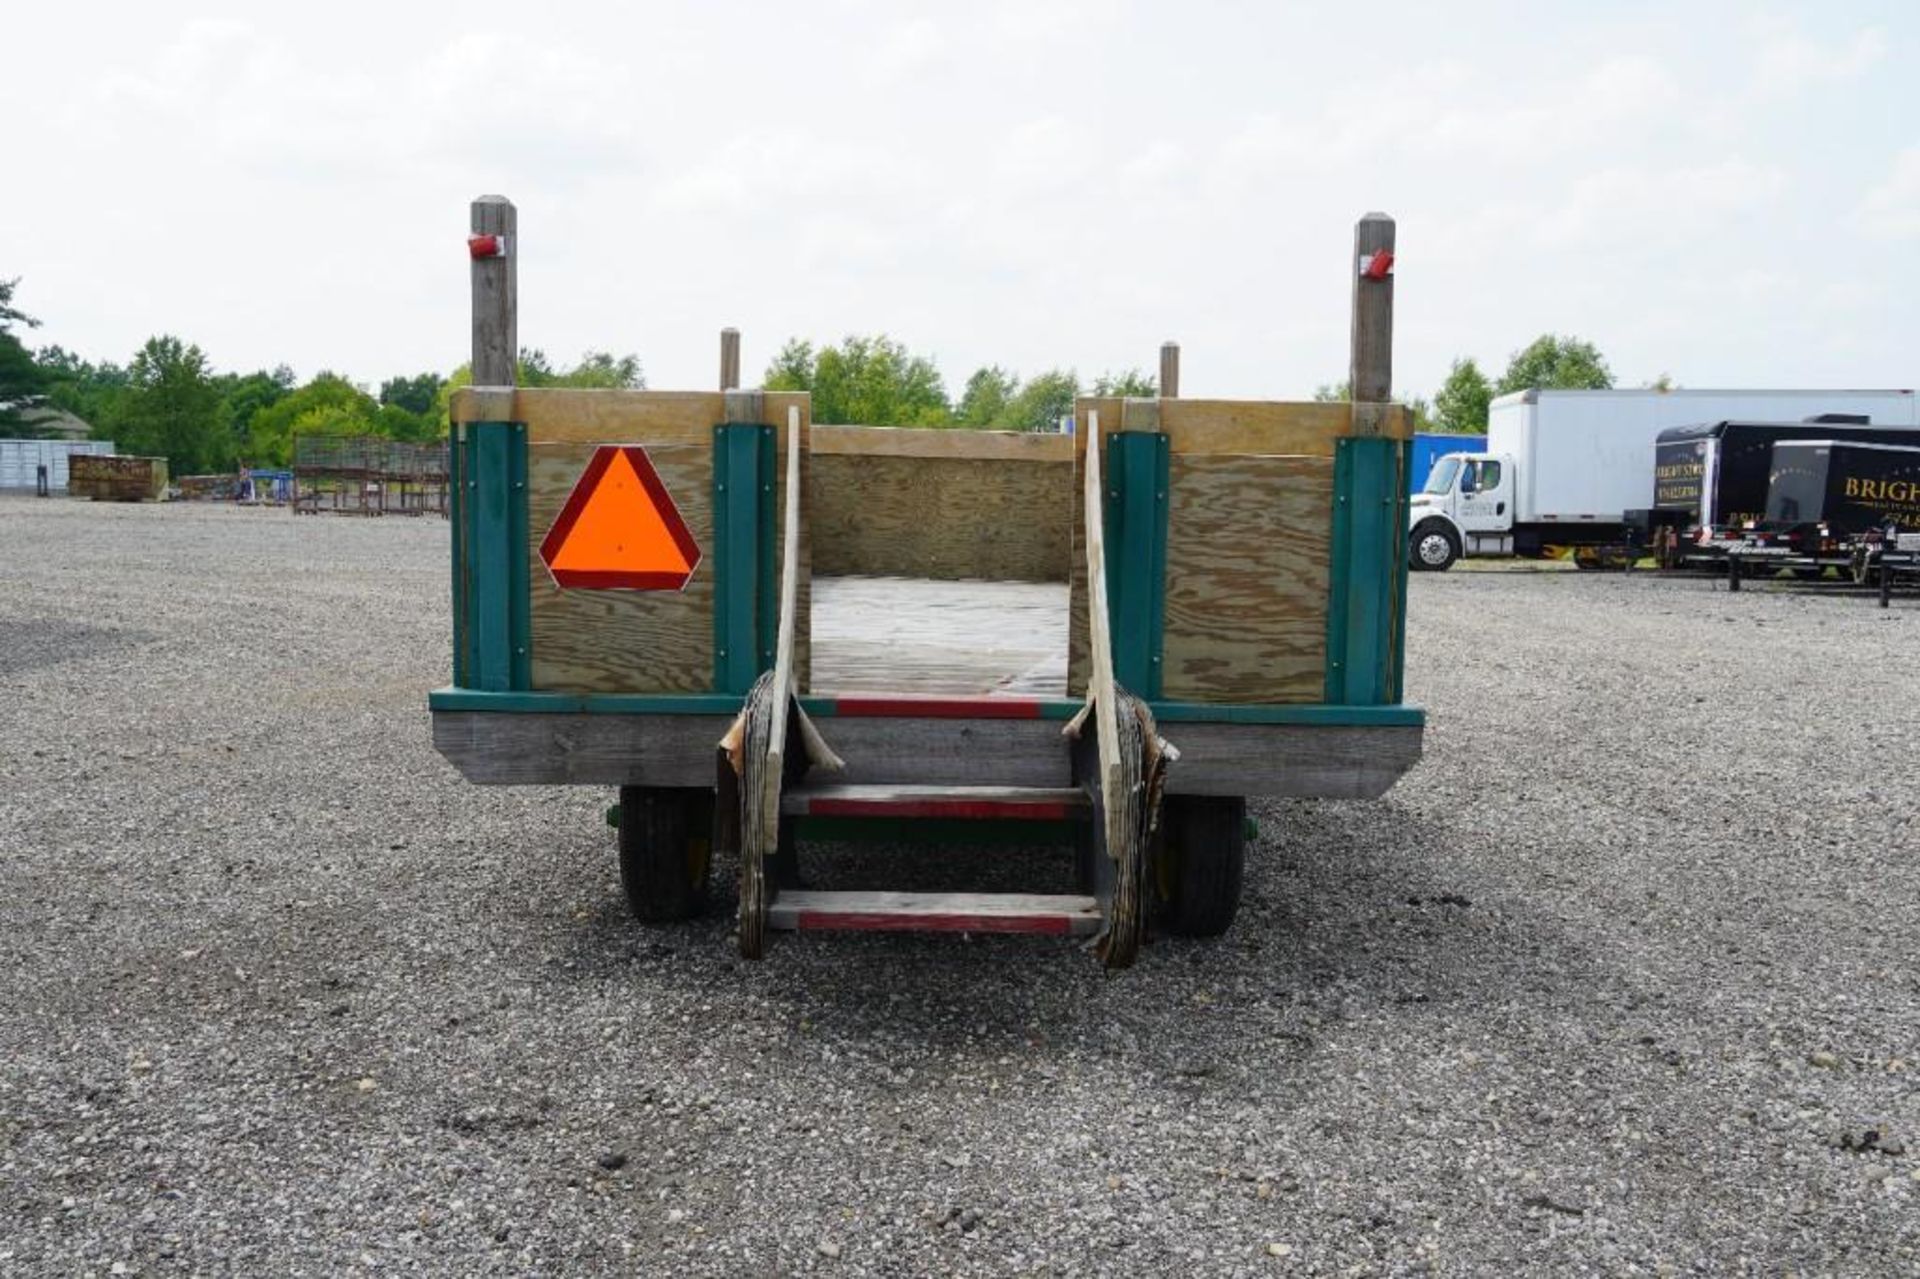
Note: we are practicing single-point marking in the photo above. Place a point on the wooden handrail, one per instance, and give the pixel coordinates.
(1100, 686)
(783, 687)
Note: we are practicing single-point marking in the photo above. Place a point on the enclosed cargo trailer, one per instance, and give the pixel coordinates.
(1835, 508)
(1562, 469)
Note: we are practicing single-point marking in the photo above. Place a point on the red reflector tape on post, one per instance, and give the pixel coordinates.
(487, 246)
(1379, 266)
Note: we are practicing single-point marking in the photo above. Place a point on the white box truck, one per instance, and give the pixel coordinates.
(1562, 468)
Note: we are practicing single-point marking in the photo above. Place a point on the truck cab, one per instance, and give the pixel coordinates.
(1465, 508)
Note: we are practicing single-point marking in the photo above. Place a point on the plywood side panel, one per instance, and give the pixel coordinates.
(1246, 591)
(955, 442)
(564, 415)
(621, 641)
(947, 518)
(1246, 427)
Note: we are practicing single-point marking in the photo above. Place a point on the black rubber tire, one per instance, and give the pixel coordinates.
(666, 851)
(1199, 863)
(1433, 534)
(1086, 872)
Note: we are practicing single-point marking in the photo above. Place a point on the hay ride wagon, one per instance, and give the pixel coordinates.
(747, 622)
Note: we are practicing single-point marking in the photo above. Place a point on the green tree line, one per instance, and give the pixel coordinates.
(168, 400)
(1549, 362)
(876, 381)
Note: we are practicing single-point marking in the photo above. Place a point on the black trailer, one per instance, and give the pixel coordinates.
(1711, 480)
(1834, 504)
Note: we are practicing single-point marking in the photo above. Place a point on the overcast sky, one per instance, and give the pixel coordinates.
(1724, 193)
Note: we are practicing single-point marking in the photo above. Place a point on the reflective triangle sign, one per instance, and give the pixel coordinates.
(619, 529)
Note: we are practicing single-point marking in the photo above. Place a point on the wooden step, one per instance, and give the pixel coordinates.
(1057, 915)
(973, 803)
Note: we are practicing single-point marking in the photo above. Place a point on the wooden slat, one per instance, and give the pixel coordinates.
(913, 706)
(953, 442)
(1244, 427)
(1246, 583)
(566, 415)
(1047, 914)
(959, 803)
(1299, 760)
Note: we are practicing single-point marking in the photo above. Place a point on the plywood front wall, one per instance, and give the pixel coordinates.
(1249, 519)
(1246, 592)
(941, 504)
(587, 641)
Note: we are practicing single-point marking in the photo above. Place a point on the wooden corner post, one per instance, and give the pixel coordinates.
(1170, 370)
(487, 474)
(1370, 377)
(1367, 553)
(729, 359)
(495, 249)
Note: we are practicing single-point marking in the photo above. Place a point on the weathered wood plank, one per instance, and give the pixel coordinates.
(1294, 760)
(568, 415)
(1244, 427)
(1246, 586)
(1170, 370)
(729, 359)
(1031, 913)
(918, 442)
(959, 803)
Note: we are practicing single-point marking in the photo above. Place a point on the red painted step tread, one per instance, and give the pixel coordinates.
(958, 802)
(1053, 914)
(909, 706)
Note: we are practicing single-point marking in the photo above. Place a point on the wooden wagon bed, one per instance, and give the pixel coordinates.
(918, 636)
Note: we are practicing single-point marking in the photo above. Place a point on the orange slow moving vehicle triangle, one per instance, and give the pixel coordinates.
(619, 529)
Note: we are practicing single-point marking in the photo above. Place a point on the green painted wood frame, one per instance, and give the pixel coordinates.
(1136, 535)
(744, 607)
(492, 652)
(1367, 573)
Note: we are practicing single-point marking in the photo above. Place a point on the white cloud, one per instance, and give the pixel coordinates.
(1892, 208)
(1787, 60)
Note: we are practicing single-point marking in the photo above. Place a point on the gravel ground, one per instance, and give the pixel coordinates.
(1619, 980)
